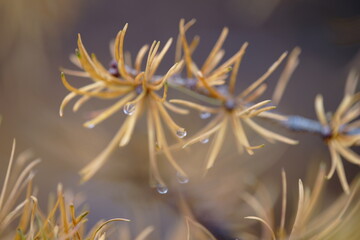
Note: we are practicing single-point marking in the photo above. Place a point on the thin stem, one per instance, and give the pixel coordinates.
(293, 122)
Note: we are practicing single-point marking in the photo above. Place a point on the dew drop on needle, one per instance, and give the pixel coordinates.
(129, 109)
(162, 189)
(181, 178)
(181, 133)
(204, 115)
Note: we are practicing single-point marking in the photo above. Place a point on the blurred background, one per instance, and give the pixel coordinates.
(38, 36)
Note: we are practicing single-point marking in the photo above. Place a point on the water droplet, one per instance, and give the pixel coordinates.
(129, 109)
(162, 189)
(181, 133)
(204, 141)
(181, 178)
(204, 115)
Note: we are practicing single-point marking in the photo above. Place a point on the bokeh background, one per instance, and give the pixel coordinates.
(38, 36)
